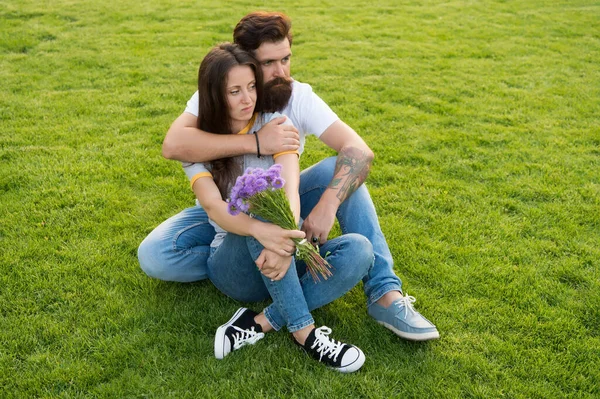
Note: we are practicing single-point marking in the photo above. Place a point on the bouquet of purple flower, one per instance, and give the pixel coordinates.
(261, 193)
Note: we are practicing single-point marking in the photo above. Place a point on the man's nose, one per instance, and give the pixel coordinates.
(279, 71)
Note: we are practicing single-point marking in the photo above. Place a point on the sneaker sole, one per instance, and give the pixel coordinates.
(411, 336)
(354, 366)
(220, 335)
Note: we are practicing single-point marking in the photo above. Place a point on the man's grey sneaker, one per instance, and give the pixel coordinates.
(402, 318)
(240, 330)
(335, 354)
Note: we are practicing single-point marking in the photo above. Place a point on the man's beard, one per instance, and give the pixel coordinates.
(276, 94)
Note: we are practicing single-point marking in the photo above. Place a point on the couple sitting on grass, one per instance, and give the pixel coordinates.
(231, 124)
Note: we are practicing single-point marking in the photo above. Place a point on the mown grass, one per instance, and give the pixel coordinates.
(484, 119)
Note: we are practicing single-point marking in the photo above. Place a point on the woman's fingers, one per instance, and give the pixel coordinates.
(283, 247)
(283, 252)
(275, 275)
(295, 234)
(281, 275)
(286, 248)
(278, 277)
(260, 261)
(290, 249)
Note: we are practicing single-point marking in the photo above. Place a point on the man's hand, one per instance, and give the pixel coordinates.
(275, 137)
(319, 222)
(276, 239)
(272, 265)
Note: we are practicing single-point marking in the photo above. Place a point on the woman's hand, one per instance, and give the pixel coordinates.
(276, 239)
(272, 265)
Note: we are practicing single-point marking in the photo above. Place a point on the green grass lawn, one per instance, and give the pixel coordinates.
(484, 117)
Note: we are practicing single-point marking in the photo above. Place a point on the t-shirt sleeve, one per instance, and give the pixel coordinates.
(268, 117)
(195, 171)
(312, 112)
(192, 105)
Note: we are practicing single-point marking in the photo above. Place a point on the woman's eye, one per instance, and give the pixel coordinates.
(234, 92)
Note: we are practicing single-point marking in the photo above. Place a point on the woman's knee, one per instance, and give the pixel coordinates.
(252, 290)
(250, 296)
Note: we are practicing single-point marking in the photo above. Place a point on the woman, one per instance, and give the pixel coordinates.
(233, 82)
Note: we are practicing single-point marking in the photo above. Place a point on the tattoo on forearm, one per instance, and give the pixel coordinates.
(351, 169)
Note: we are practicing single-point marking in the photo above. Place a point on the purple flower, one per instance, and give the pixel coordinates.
(275, 168)
(235, 190)
(252, 182)
(238, 186)
(247, 189)
(278, 183)
(232, 209)
(270, 176)
(260, 184)
(273, 173)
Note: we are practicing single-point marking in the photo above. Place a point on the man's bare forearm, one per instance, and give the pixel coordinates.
(185, 143)
(351, 170)
(194, 145)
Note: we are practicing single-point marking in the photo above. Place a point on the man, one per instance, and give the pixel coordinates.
(178, 248)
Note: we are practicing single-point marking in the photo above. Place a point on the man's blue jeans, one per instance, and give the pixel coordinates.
(232, 269)
(178, 249)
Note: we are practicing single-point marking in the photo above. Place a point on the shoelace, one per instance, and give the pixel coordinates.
(325, 344)
(244, 337)
(407, 301)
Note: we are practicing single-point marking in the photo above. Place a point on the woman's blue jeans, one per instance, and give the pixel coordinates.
(232, 269)
(178, 249)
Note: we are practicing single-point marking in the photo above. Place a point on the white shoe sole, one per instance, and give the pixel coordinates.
(411, 336)
(354, 366)
(220, 335)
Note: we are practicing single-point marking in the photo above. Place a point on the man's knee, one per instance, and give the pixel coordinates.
(362, 252)
(150, 258)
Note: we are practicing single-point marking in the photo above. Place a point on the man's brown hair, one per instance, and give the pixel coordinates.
(259, 27)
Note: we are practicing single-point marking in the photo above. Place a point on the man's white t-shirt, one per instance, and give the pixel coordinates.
(307, 112)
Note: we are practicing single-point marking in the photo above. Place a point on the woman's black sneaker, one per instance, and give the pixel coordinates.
(335, 354)
(240, 330)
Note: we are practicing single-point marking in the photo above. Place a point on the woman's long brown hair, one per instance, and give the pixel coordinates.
(213, 108)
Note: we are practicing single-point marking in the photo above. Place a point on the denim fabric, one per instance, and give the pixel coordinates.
(356, 215)
(177, 250)
(232, 270)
